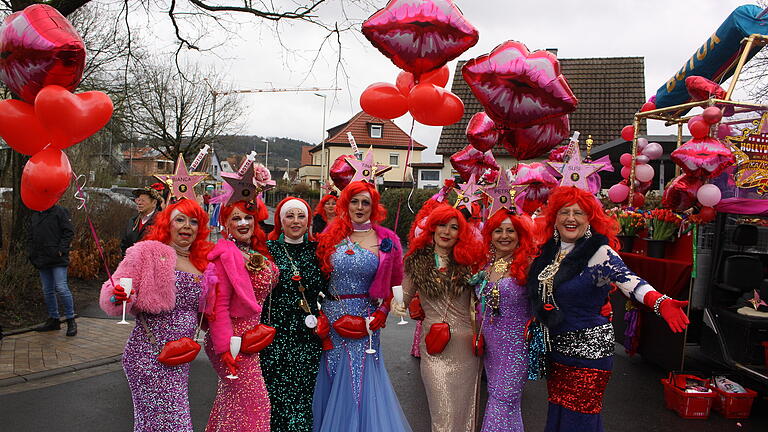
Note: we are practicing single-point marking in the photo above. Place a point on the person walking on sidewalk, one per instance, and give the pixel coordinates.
(49, 237)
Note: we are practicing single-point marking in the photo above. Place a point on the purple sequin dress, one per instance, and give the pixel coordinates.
(161, 393)
(506, 358)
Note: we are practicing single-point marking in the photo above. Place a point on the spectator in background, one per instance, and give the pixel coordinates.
(324, 212)
(49, 237)
(148, 200)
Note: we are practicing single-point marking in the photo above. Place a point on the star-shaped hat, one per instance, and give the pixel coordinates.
(503, 193)
(243, 188)
(181, 183)
(468, 193)
(366, 169)
(574, 171)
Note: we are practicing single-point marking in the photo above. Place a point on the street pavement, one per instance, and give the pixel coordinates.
(97, 398)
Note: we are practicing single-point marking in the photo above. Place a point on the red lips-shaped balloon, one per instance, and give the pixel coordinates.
(71, 118)
(705, 157)
(420, 35)
(341, 172)
(39, 47)
(680, 193)
(470, 160)
(45, 178)
(534, 141)
(20, 128)
(482, 133)
(517, 88)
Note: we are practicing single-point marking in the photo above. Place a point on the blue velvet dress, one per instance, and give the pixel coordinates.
(353, 391)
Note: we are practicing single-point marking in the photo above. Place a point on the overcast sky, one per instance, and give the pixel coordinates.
(666, 33)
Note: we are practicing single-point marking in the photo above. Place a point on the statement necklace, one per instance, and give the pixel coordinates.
(310, 320)
(256, 261)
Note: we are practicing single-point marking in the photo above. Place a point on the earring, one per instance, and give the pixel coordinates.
(556, 235)
(588, 232)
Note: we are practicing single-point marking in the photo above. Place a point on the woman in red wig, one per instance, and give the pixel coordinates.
(167, 288)
(290, 363)
(325, 212)
(500, 287)
(245, 275)
(568, 284)
(364, 262)
(438, 265)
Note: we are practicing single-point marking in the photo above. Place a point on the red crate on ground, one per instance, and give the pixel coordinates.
(734, 405)
(687, 405)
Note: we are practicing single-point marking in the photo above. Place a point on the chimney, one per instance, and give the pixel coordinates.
(552, 50)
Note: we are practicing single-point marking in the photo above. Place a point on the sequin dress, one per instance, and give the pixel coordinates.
(506, 357)
(242, 404)
(353, 392)
(290, 362)
(161, 393)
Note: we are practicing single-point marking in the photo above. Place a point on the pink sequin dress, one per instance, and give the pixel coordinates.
(243, 404)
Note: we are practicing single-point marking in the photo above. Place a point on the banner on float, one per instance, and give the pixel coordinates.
(713, 58)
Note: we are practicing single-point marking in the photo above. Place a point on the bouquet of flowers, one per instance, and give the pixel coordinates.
(663, 224)
(630, 221)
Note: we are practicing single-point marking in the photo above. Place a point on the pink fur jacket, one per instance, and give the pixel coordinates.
(151, 264)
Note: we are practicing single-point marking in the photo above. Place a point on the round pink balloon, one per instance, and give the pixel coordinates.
(626, 159)
(653, 151)
(618, 193)
(643, 159)
(723, 131)
(712, 115)
(644, 173)
(641, 143)
(709, 195)
(625, 171)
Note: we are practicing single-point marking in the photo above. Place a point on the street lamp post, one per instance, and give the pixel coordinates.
(266, 152)
(322, 149)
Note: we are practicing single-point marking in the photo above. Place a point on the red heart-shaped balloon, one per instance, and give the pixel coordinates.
(534, 141)
(20, 128)
(45, 178)
(71, 118)
(39, 47)
(482, 133)
(420, 36)
(434, 106)
(383, 100)
(518, 88)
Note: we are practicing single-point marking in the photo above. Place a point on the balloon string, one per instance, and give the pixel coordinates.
(80, 196)
(405, 173)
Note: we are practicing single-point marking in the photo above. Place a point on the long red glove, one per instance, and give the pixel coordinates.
(669, 309)
(379, 320)
(415, 309)
(120, 295)
(607, 309)
(229, 362)
(323, 326)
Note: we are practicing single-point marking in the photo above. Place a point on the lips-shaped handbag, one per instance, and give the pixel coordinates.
(178, 352)
(438, 337)
(351, 327)
(415, 309)
(257, 338)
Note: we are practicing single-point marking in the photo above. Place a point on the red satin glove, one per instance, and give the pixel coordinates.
(379, 320)
(415, 309)
(669, 309)
(323, 326)
(120, 295)
(229, 362)
(607, 309)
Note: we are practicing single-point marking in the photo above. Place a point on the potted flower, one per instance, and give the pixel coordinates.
(663, 225)
(631, 223)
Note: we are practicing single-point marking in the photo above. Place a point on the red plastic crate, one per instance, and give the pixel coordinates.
(687, 405)
(734, 405)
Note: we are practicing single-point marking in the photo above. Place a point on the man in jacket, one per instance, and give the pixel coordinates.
(49, 237)
(147, 201)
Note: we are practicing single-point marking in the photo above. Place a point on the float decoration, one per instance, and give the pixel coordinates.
(751, 155)
(468, 193)
(573, 170)
(502, 194)
(366, 169)
(706, 157)
(181, 183)
(538, 181)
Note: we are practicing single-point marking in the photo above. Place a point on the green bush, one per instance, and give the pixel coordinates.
(392, 198)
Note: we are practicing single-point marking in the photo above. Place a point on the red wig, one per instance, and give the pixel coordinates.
(526, 247)
(275, 234)
(259, 213)
(565, 196)
(421, 218)
(341, 225)
(161, 230)
(320, 208)
(467, 250)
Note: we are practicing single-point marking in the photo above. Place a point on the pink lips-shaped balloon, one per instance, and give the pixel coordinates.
(470, 160)
(518, 88)
(420, 35)
(482, 132)
(534, 141)
(39, 47)
(706, 157)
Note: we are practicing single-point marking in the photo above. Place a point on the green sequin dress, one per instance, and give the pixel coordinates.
(290, 363)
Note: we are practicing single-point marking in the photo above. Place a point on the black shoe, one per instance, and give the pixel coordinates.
(50, 325)
(71, 327)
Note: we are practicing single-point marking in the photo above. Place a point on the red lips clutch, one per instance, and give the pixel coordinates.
(351, 327)
(178, 352)
(257, 338)
(437, 338)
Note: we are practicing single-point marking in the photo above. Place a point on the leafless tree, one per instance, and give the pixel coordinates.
(754, 79)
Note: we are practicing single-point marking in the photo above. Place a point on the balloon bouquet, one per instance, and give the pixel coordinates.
(42, 63)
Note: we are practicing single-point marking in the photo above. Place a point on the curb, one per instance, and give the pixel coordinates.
(20, 379)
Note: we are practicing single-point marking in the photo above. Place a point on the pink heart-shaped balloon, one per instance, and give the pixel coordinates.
(20, 128)
(534, 141)
(420, 35)
(518, 88)
(482, 133)
(39, 47)
(470, 160)
(71, 118)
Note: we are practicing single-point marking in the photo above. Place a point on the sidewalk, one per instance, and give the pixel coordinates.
(31, 355)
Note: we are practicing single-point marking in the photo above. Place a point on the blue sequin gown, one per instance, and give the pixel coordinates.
(506, 355)
(161, 393)
(353, 391)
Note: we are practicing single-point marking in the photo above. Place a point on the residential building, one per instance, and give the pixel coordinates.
(429, 175)
(146, 161)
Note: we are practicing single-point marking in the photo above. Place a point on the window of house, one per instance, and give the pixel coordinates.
(394, 159)
(161, 165)
(430, 175)
(375, 130)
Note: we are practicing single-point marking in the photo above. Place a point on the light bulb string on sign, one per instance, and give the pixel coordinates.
(80, 196)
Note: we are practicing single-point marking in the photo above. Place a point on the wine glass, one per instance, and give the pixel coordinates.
(234, 349)
(397, 291)
(370, 349)
(127, 284)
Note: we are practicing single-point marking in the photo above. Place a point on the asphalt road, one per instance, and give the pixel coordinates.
(99, 400)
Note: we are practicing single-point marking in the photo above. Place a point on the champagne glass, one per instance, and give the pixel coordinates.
(234, 349)
(397, 291)
(370, 349)
(127, 284)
